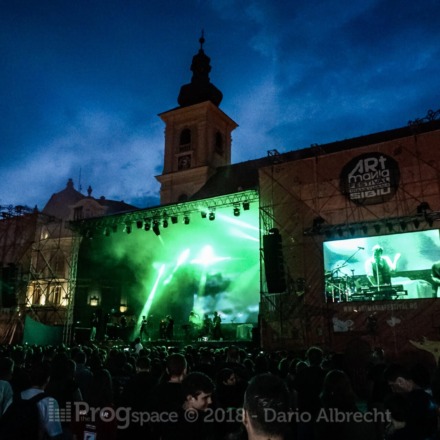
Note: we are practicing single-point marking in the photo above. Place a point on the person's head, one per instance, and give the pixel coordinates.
(337, 391)
(398, 378)
(314, 356)
(143, 364)
(40, 374)
(6, 368)
(176, 365)
(226, 376)
(233, 354)
(377, 251)
(266, 395)
(197, 388)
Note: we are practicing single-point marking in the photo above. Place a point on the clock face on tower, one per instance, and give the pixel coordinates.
(184, 162)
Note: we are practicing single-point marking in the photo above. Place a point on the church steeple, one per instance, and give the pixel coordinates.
(200, 88)
(197, 135)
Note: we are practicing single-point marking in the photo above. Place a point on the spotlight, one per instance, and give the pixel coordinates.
(211, 216)
(89, 233)
(115, 228)
(377, 228)
(174, 219)
(165, 223)
(365, 229)
(246, 206)
(107, 232)
(128, 228)
(139, 224)
(186, 220)
(236, 211)
(203, 214)
(403, 226)
(156, 229)
(429, 220)
(390, 227)
(416, 223)
(147, 225)
(340, 232)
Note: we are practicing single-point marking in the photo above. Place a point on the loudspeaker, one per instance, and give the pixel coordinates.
(274, 262)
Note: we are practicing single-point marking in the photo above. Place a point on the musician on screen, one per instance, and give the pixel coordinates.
(379, 267)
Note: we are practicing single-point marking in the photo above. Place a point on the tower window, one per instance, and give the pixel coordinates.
(218, 142)
(185, 140)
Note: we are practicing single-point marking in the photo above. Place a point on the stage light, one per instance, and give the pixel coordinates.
(211, 216)
(147, 225)
(377, 228)
(107, 232)
(403, 226)
(186, 220)
(94, 301)
(365, 229)
(416, 223)
(156, 229)
(165, 223)
(139, 224)
(429, 220)
(390, 227)
(174, 219)
(128, 228)
(340, 232)
(352, 230)
(236, 211)
(246, 206)
(203, 214)
(115, 228)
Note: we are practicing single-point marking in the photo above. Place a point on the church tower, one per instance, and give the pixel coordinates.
(197, 135)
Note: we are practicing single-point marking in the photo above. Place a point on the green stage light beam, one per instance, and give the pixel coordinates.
(182, 258)
(147, 306)
(237, 222)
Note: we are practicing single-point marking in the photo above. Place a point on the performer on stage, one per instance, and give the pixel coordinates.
(94, 322)
(143, 332)
(169, 331)
(379, 267)
(193, 325)
(206, 327)
(216, 327)
(163, 329)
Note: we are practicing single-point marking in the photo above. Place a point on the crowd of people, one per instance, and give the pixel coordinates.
(131, 392)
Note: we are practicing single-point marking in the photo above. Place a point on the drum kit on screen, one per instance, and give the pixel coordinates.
(339, 284)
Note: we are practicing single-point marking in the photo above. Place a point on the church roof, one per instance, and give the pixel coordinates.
(60, 202)
(244, 176)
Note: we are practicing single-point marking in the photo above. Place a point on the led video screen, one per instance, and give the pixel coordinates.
(386, 267)
(202, 266)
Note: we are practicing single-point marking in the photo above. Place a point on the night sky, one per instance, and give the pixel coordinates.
(82, 82)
